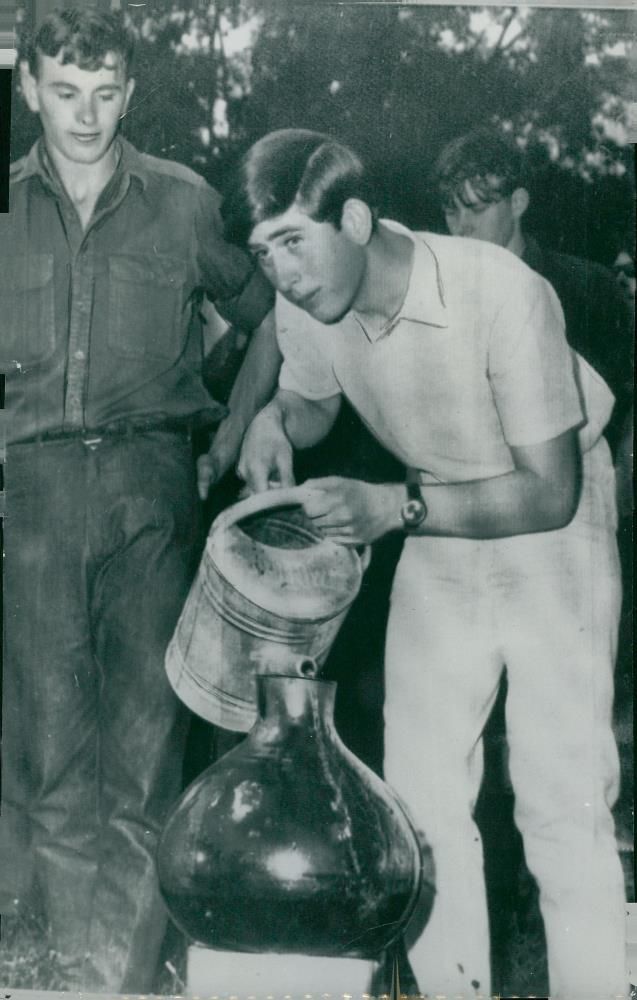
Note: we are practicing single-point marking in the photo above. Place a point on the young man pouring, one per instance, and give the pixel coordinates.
(453, 353)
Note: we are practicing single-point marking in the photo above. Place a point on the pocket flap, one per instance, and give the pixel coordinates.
(144, 269)
(21, 273)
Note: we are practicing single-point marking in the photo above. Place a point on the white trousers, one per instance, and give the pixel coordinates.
(546, 606)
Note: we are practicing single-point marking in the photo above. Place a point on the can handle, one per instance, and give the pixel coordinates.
(286, 497)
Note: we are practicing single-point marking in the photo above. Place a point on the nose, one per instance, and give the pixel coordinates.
(286, 272)
(87, 114)
(458, 222)
(464, 222)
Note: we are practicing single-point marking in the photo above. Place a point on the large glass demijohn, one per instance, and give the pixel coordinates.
(289, 843)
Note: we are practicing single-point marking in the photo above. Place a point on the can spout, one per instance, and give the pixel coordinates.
(308, 668)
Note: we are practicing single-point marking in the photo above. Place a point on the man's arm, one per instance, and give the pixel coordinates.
(242, 296)
(540, 494)
(252, 388)
(289, 421)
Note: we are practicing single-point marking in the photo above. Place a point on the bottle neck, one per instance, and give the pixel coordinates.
(295, 701)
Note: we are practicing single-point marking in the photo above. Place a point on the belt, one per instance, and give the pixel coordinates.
(118, 428)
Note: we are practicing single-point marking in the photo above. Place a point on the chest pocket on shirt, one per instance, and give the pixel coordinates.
(27, 310)
(145, 298)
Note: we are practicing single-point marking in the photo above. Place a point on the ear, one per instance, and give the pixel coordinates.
(356, 221)
(29, 86)
(130, 87)
(519, 202)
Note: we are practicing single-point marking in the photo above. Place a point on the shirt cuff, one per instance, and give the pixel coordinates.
(250, 307)
(290, 383)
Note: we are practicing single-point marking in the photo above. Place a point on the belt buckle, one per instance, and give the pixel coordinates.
(92, 442)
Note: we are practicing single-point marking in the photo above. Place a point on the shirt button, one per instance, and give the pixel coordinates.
(79, 355)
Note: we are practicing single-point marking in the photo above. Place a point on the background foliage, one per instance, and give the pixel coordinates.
(397, 82)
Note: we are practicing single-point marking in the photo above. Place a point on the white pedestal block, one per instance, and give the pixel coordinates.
(226, 974)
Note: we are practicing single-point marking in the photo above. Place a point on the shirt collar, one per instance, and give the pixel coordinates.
(35, 163)
(424, 300)
(30, 165)
(133, 162)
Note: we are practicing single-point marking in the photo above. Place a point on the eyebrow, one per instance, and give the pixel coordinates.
(277, 232)
(61, 85)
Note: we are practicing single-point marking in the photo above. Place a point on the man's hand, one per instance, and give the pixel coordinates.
(351, 511)
(221, 456)
(252, 388)
(266, 459)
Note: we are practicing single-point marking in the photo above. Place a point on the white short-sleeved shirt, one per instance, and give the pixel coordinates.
(475, 361)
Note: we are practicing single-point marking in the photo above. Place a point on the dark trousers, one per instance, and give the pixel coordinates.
(101, 542)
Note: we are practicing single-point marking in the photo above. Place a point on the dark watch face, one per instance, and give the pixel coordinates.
(413, 512)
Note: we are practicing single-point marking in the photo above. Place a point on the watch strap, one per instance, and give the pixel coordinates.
(412, 482)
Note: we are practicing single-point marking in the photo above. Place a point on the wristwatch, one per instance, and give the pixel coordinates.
(414, 509)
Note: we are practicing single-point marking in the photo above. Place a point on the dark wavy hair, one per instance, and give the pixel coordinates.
(490, 161)
(83, 35)
(294, 166)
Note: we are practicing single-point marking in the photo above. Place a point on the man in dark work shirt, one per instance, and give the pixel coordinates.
(104, 259)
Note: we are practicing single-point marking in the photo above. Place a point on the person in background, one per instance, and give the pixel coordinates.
(453, 352)
(485, 191)
(624, 271)
(105, 257)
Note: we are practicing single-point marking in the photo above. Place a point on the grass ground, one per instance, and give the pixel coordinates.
(26, 959)
(28, 962)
